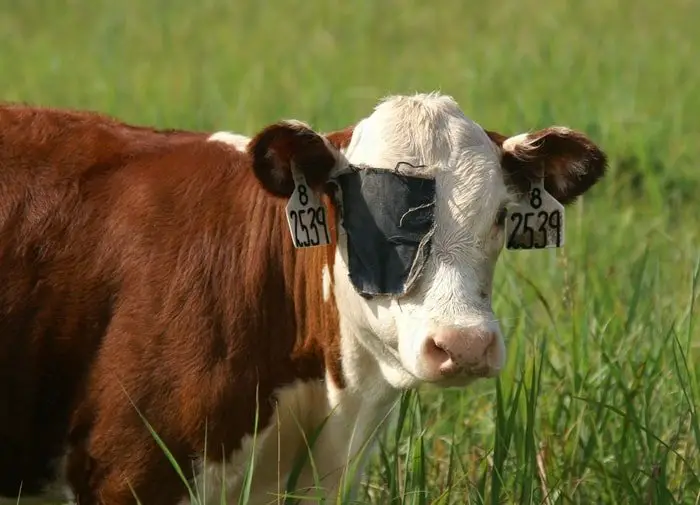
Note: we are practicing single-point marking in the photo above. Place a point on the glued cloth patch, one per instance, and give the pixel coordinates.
(389, 220)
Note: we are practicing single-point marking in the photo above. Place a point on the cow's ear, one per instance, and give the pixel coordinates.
(569, 162)
(286, 144)
(340, 139)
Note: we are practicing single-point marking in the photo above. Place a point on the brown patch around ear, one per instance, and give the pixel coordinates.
(341, 139)
(568, 160)
(497, 138)
(282, 144)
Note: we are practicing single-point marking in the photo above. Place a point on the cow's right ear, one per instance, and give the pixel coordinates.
(286, 144)
(567, 160)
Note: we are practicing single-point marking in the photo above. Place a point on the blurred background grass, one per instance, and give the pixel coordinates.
(602, 346)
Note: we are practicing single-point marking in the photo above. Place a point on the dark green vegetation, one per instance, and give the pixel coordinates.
(599, 401)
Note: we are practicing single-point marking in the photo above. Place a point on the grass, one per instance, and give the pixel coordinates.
(599, 401)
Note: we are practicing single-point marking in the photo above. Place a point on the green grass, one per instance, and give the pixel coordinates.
(598, 404)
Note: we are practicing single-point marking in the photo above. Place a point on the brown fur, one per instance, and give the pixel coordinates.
(555, 156)
(341, 138)
(150, 267)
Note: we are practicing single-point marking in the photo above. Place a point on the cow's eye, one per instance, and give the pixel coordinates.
(501, 217)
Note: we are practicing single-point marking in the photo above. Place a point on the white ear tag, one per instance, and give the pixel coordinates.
(306, 215)
(536, 222)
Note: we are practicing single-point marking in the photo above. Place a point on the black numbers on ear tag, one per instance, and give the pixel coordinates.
(306, 216)
(303, 195)
(536, 222)
(309, 226)
(535, 198)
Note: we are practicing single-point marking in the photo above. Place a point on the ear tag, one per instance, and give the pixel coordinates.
(306, 215)
(536, 222)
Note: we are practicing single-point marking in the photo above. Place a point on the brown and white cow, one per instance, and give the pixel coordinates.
(153, 269)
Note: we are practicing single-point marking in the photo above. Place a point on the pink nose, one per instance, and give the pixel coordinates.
(472, 351)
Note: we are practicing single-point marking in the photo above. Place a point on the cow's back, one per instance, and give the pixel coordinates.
(61, 176)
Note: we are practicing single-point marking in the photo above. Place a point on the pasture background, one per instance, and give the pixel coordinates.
(598, 402)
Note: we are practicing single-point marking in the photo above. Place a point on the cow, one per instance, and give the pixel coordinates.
(232, 299)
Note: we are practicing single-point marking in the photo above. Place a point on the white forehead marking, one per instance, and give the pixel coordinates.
(431, 130)
(240, 142)
(422, 129)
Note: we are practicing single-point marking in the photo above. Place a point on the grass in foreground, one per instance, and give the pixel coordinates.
(599, 401)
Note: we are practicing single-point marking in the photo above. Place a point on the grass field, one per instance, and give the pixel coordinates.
(598, 404)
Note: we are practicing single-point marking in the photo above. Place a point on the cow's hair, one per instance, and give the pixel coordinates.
(567, 160)
(148, 272)
(288, 145)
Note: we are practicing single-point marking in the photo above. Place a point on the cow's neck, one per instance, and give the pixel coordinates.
(316, 313)
(304, 309)
(356, 390)
(321, 334)
(312, 359)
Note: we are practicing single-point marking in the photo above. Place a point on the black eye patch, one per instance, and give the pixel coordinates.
(389, 220)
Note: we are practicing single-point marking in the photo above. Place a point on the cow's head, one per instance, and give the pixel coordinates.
(417, 247)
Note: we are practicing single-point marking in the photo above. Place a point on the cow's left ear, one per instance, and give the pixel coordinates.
(286, 144)
(568, 160)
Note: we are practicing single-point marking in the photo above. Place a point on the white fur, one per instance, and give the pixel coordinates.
(300, 409)
(240, 142)
(326, 278)
(520, 140)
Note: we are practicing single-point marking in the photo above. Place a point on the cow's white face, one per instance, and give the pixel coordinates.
(442, 330)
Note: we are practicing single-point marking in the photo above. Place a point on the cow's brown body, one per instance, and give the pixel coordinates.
(141, 266)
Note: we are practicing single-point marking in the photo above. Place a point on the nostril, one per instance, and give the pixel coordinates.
(435, 351)
(468, 347)
(475, 351)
